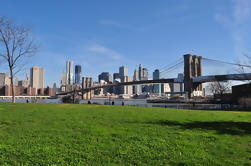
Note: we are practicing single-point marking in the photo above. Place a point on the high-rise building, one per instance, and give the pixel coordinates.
(63, 81)
(78, 74)
(145, 74)
(136, 88)
(156, 87)
(123, 71)
(105, 76)
(37, 77)
(136, 75)
(4, 79)
(116, 76)
(127, 89)
(140, 72)
(25, 82)
(69, 72)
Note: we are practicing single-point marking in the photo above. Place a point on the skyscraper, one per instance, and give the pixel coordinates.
(105, 76)
(78, 74)
(156, 87)
(123, 71)
(136, 88)
(140, 72)
(63, 82)
(69, 72)
(145, 74)
(4, 79)
(136, 75)
(37, 77)
(116, 76)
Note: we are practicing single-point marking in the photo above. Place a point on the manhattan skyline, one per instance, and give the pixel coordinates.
(117, 33)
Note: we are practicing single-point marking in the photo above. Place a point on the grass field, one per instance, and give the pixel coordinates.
(64, 134)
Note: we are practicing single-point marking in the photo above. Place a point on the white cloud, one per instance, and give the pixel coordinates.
(237, 23)
(104, 51)
(242, 11)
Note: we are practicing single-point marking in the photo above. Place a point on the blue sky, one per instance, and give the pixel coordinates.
(102, 35)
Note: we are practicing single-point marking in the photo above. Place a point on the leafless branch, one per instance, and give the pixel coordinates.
(17, 44)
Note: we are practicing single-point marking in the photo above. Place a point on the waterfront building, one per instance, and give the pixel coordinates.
(156, 87)
(105, 76)
(136, 88)
(4, 79)
(69, 72)
(123, 71)
(140, 72)
(37, 77)
(116, 76)
(117, 89)
(25, 83)
(127, 89)
(136, 75)
(145, 74)
(78, 72)
(63, 81)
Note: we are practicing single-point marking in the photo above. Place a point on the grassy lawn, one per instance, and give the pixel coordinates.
(64, 134)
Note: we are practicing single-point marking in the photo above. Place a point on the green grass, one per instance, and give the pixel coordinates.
(64, 134)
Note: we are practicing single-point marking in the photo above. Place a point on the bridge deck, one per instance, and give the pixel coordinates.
(211, 78)
(199, 79)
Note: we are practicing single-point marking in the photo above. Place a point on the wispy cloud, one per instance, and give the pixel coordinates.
(242, 11)
(103, 51)
(236, 23)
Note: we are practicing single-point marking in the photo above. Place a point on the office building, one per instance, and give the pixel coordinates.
(145, 74)
(156, 87)
(123, 71)
(140, 72)
(25, 83)
(63, 81)
(116, 76)
(117, 89)
(136, 75)
(69, 72)
(78, 74)
(105, 76)
(37, 77)
(136, 88)
(128, 90)
(4, 79)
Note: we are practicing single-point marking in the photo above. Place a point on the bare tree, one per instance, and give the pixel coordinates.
(247, 62)
(16, 44)
(219, 88)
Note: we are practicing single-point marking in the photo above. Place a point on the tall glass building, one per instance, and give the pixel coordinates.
(69, 72)
(156, 87)
(78, 73)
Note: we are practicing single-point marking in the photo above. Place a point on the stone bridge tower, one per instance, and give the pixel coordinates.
(86, 83)
(192, 68)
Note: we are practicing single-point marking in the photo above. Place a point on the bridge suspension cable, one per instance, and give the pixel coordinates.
(229, 63)
(170, 64)
(171, 68)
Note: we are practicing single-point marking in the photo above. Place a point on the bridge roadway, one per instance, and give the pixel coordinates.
(170, 80)
(212, 78)
(199, 79)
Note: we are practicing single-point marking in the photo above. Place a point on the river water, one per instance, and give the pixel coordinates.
(127, 102)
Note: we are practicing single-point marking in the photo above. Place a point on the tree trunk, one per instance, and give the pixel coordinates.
(12, 86)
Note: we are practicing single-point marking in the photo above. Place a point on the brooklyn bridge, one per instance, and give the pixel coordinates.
(193, 78)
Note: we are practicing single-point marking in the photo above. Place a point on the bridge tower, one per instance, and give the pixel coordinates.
(192, 68)
(86, 83)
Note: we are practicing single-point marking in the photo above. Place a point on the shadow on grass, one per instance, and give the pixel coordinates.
(222, 127)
